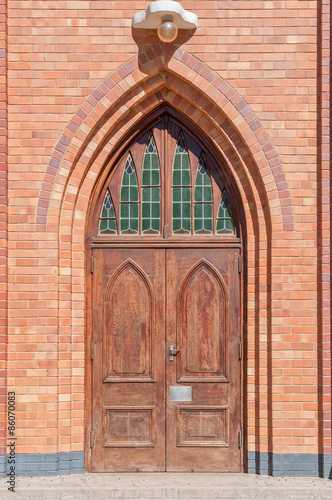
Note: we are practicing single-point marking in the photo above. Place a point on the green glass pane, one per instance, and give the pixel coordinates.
(177, 176)
(185, 178)
(176, 225)
(124, 224)
(151, 194)
(112, 224)
(198, 225)
(108, 209)
(146, 178)
(156, 225)
(203, 188)
(145, 210)
(107, 221)
(145, 224)
(128, 195)
(133, 191)
(186, 211)
(181, 165)
(176, 194)
(207, 207)
(224, 219)
(125, 193)
(177, 211)
(102, 225)
(198, 211)
(207, 193)
(129, 186)
(155, 194)
(224, 207)
(155, 178)
(186, 225)
(124, 210)
(133, 210)
(225, 226)
(155, 209)
(125, 180)
(208, 225)
(186, 194)
(134, 225)
(203, 217)
(146, 194)
(107, 226)
(198, 194)
(202, 195)
(181, 195)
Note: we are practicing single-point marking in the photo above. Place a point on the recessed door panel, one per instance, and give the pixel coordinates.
(203, 325)
(129, 321)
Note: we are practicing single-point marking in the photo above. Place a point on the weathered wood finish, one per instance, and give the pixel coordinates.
(203, 321)
(128, 381)
(129, 316)
(203, 326)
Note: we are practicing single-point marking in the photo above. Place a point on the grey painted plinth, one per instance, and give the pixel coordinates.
(44, 464)
(290, 464)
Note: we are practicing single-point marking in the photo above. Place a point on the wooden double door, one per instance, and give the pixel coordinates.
(166, 383)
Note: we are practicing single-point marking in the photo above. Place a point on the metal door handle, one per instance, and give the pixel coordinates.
(173, 352)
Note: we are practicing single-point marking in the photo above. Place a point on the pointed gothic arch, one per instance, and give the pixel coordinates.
(130, 93)
(103, 124)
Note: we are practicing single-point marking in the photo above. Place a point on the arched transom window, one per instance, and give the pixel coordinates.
(166, 184)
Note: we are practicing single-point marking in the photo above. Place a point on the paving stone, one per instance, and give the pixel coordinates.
(152, 493)
(191, 493)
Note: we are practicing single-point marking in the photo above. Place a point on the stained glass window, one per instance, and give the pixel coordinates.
(129, 199)
(224, 217)
(181, 188)
(151, 188)
(107, 221)
(203, 199)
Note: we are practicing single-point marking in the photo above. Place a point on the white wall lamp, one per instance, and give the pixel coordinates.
(167, 17)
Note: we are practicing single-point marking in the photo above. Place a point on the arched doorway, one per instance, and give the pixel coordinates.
(164, 306)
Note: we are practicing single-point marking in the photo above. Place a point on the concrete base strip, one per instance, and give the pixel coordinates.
(168, 486)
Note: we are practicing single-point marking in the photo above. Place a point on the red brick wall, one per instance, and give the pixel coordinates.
(324, 304)
(58, 53)
(3, 219)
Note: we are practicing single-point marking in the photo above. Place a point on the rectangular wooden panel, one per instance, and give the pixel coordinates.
(128, 427)
(197, 426)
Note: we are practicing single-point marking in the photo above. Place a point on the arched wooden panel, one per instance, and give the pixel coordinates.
(203, 325)
(128, 325)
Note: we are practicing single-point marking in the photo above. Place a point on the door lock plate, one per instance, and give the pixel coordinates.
(172, 352)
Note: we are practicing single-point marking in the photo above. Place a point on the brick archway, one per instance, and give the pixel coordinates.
(83, 152)
(123, 89)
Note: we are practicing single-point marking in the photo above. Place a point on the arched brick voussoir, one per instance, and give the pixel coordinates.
(239, 171)
(188, 70)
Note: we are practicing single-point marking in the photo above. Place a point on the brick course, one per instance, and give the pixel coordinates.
(78, 79)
